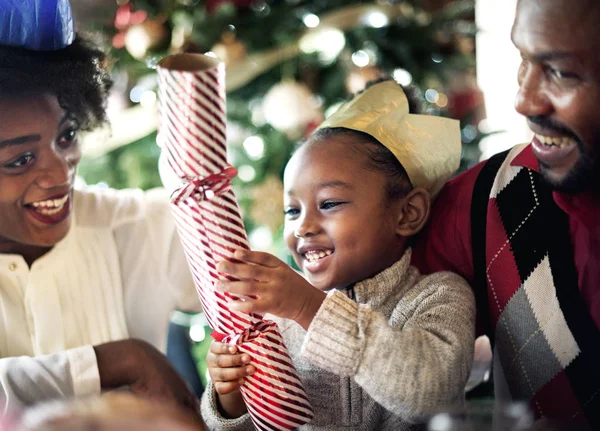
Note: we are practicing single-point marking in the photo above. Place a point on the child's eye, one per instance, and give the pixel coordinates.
(68, 137)
(327, 205)
(291, 212)
(21, 161)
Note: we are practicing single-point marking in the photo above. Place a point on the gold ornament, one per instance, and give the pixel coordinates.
(229, 50)
(141, 38)
(358, 79)
(291, 107)
(267, 203)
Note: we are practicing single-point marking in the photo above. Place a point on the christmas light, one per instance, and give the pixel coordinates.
(402, 77)
(442, 100)
(246, 173)
(328, 43)
(377, 19)
(254, 147)
(311, 20)
(360, 58)
(432, 95)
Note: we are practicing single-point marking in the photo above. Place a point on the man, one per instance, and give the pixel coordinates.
(524, 227)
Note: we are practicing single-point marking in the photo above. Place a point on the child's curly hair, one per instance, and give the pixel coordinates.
(77, 75)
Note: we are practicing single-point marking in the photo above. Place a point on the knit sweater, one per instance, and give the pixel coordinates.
(399, 353)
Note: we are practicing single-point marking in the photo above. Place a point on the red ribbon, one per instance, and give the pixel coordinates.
(205, 188)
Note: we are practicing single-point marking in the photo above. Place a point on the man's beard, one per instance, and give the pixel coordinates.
(586, 173)
(584, 176)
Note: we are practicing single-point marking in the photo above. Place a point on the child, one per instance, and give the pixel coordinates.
(377, 345)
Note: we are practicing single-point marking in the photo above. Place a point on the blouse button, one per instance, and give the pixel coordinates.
(12, 266)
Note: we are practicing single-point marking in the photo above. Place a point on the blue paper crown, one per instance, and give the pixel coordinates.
(40, 25)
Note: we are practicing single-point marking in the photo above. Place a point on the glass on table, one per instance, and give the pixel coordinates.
(485, 416)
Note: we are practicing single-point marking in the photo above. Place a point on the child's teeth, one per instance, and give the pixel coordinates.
(313, 256)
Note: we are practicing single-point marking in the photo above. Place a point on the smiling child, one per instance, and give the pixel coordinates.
(377, 345)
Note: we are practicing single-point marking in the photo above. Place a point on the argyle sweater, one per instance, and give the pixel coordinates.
(546, 346)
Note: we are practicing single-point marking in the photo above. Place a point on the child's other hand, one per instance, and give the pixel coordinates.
(269, 285)
(227, 369)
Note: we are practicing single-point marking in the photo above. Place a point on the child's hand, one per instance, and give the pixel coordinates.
(269, 286)
(227, 369)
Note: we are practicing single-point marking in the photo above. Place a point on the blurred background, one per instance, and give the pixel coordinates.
(290, 64)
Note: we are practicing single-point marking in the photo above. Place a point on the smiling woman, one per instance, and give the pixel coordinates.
(88, 277)
(38, 159)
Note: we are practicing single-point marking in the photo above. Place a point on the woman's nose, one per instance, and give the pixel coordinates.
(59, 170)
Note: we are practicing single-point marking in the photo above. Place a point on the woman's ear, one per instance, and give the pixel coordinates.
(414, 212)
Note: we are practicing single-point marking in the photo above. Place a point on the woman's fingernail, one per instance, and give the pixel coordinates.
(250, 369)
(232, 349)
(245, 359)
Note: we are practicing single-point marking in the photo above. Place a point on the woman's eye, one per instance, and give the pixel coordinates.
(21, 161)
(68, 137)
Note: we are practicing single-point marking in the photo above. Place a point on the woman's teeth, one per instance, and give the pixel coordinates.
(560, 142)
(313, 256)
(51, 206)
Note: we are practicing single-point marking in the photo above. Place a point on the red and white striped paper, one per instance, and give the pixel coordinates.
(193, 136)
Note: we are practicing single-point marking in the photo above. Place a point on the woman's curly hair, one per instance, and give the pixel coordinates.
(76, 75)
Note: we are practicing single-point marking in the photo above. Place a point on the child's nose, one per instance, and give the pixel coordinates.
(307, 226)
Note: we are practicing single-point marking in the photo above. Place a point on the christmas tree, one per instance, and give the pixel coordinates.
(289, 64)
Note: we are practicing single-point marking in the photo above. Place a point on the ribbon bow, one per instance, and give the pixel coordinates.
(205, 188)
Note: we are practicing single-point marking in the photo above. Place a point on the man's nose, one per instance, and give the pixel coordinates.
(532, 99)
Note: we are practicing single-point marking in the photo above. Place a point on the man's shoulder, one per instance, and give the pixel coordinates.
(463, 184)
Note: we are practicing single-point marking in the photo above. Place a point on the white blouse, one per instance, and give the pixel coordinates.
(119, 273)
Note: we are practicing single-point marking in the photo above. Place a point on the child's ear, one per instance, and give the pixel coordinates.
(414, 212)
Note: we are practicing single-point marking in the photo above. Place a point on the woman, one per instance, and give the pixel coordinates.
(88, 278)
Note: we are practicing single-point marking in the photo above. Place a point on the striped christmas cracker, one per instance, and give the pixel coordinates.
(192, 134)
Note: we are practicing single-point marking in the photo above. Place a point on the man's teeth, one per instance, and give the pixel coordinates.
(313, 256)
(560, 142)
(51, 206)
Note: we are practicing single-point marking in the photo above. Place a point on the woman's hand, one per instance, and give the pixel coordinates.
(145, 370)
(268, 285)
(227, 371)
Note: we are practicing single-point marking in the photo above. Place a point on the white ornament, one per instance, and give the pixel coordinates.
(290, 107)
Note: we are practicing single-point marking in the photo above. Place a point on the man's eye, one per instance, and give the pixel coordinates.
(562, 75)
(21, 161)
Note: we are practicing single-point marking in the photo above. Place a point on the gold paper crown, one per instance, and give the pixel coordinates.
(428, 147)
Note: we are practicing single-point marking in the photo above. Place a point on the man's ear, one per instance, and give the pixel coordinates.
(414, 212)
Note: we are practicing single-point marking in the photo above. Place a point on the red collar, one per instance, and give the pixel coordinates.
(526, 159)
(585, 206)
